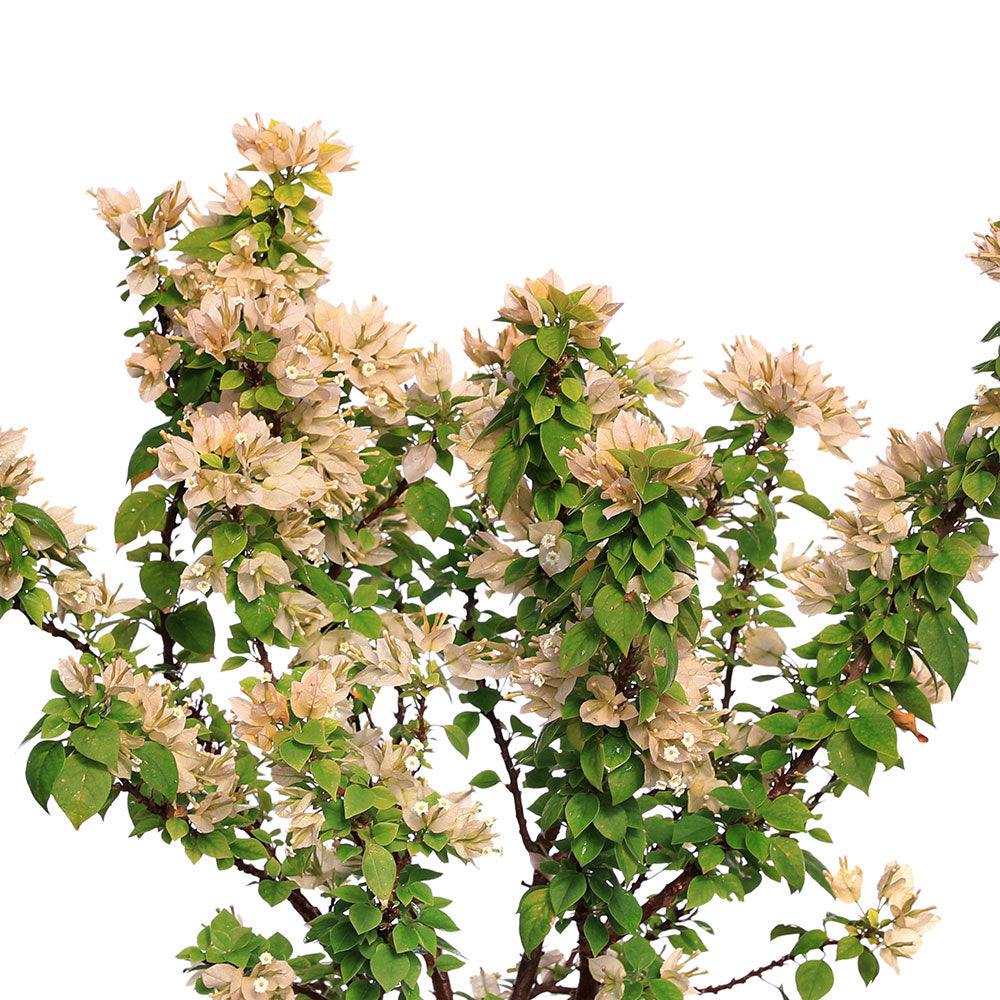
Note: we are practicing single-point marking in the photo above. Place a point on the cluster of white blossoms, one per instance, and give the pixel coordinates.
(210, 779)
(609, 973)
(598, 460)
(897, 922)
(268, 980)
(787, 385)
(459, 815)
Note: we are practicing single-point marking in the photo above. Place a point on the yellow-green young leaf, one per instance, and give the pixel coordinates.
(327, 775)
(536, 917)
(82, 788)
(379, 869)
(813, 979)
(357, 799)
(318, 181)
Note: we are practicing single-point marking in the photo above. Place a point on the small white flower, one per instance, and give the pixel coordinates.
(412, 762)
(178, 712)
(548, 540)
(266, 958)
(240, 437)
(313, 554)
(645, 598)
(422, 808)
(261, 984)
(242, 239)
(368, 369)
(236, 300)
(191, 482)
(687, 740)
(758, 385)
(80, 596)
(203, 586)
(291, 371)
(198, 569)
(380, 398)
(301, 349)
(444, 803)
(671, 754)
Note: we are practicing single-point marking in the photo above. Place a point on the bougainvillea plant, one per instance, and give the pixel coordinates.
(508, 562)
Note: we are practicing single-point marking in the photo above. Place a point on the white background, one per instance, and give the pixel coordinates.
(794, 172)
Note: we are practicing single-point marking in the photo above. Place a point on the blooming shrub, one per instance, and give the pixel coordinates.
(551, 599)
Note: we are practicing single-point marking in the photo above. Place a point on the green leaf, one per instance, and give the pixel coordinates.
(388, 968)
(485, 779)
(812, 504)
(552, 340)
(82, 788)
(199, 242)
(535, 918)
(44, 764)
(42, 520)
(786, 855)
(565, 889)
(295, 754)
(99, 744)
(579, 644)
(813, 979)
(580, 811)
(357, 799)
(379, 869)
(229, 539)
(592, 763)
(619, 619)
(139, 514)
(272, 891)
(787, 812)
(428, 505)
(693, 829)
(978, 486)
(953, 556)
(656, 522)
(161, 582)
(612, 822)
(944, 646)
(625, 909)
(876, 732)
(526, 361)
(506, 471)
(158, 768)
(556, 435)
(192, 626)
(625, 781)
(364, 917)
(851, 761)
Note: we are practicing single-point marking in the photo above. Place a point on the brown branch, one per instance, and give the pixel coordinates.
(171, 670)
(305, 991)
(390, 501)
(300, 902)
(527, 971)
(53, 629)
(664, 899)
(513, 784)
(755, 973)
(440, 981)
